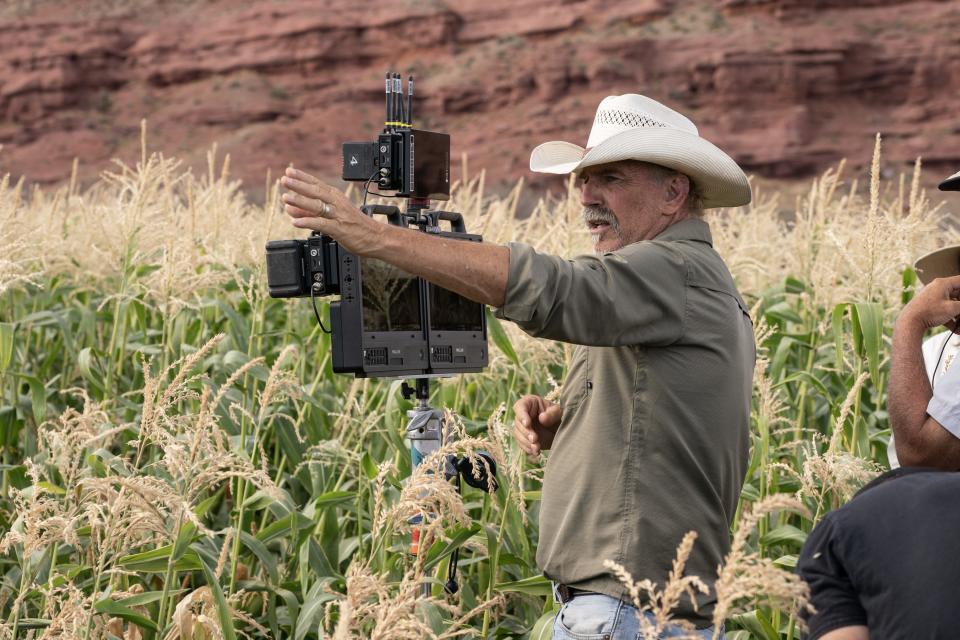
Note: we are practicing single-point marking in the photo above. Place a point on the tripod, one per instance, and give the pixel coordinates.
(427, 433)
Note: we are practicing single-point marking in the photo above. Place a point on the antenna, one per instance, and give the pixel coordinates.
(398, 96)
(389, 85)
(410, 100)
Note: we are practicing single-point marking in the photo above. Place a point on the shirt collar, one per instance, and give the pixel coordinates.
(687, 229)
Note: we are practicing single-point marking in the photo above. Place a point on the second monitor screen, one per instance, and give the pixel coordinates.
(450, 311)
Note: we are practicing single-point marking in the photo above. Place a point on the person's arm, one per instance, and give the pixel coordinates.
(634, 296)
(475, 270)
(858, 632)
(920, 439)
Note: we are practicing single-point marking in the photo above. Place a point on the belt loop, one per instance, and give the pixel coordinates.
(556, 596)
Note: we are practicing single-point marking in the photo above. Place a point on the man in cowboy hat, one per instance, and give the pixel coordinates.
(650, 438)
(924, 392)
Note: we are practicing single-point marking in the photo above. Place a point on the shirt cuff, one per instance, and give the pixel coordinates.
(944, 406)
(522, 295)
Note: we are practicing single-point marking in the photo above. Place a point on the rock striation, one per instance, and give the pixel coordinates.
(788, 87)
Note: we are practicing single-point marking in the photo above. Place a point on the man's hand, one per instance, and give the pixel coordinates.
(937, 304)
(315, 205)
(535, 423)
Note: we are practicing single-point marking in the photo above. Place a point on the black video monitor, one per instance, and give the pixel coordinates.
(391, 298)
(450, 311)
(428, 170)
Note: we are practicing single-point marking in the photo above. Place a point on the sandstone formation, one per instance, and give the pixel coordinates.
(788, 87)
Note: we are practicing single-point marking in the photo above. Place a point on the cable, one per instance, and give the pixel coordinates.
(946, 341)
(451, 585)
(366, 187)
(313, 300)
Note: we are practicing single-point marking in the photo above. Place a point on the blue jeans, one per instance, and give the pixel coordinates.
(598, 617)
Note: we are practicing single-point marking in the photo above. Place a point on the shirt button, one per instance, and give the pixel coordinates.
(589, 385)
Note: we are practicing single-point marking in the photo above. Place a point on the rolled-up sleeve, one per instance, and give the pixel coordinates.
(944, 406)
(636, 295)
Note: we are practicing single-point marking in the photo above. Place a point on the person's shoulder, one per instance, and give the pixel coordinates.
(651, 250)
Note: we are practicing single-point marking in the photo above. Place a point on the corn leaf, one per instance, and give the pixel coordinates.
(6, 345)
(500, 338)
(543, 628)
(111, 607)
(535, 586)
(223, 609)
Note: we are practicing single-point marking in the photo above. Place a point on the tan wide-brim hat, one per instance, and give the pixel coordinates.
(941, 263)
(634, 127)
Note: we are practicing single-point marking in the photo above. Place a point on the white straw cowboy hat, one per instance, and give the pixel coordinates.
(634, 127)
(943, 262)
(951, 184)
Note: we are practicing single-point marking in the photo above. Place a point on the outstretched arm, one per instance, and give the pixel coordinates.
(475, 270)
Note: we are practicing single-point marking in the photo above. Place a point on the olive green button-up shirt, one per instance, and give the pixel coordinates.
(656, 407)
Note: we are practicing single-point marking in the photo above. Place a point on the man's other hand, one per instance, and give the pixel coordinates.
(937, 304)
(535, 423)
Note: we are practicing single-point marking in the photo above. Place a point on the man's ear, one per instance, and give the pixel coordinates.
(675, 191)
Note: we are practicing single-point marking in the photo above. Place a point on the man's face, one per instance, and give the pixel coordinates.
(622, 204)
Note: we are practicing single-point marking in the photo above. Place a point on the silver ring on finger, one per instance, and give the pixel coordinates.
(326, 210)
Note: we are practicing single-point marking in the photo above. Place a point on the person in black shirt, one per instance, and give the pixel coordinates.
(887, 564)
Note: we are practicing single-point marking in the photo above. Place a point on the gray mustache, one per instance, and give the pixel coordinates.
(599, 214)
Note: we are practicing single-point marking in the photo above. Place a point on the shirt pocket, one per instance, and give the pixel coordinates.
(577, 383)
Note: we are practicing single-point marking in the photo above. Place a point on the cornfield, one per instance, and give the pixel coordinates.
(179, 462)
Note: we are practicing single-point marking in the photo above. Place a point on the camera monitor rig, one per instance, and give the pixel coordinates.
(389, 323)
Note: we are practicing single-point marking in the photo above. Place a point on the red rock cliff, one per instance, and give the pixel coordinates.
(786, 86)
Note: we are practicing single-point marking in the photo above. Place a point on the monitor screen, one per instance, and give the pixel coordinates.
(391, 297)
(450, 311)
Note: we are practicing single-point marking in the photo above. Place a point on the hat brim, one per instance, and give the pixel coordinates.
(721, 182)
(950, 184)
(941, 263)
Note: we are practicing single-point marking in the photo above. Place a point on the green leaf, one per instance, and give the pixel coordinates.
(49, 487)
(111, 607)
(184, 537)
(148, 597)
(535, 586)
(440, 550)
(38, 397)
(758, 625)
(788, 562)
(312, 607)
(6, 345)
(223, 609)
(909, 285)
(369, 466)
(867, 318)
(9, 427)
(90, 369)
(837, 325)
(155, 560)
(263, 555)
(282, 527)
(543, 627)
(784, 534)
(333, 498)
(500, 337)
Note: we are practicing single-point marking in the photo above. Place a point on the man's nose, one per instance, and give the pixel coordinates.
(589, 197)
